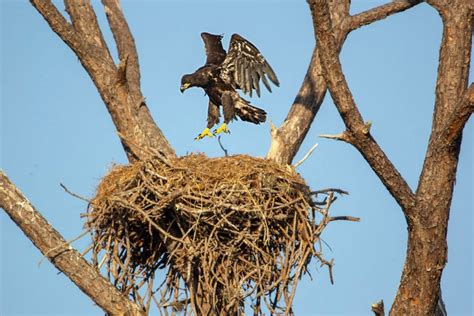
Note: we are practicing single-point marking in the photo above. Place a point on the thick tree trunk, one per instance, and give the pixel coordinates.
(427, 211)
(427, 245)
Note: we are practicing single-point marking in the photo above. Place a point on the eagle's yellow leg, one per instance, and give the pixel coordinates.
(222, 128)
(205, 132)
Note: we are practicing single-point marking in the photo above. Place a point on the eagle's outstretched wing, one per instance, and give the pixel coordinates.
(214, 51)
(246, 66)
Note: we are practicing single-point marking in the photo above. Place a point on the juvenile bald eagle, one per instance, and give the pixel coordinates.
(241, 68)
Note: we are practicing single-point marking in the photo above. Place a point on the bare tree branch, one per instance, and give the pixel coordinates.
(380, 12)
(53, 246)
(378, 308)
(58, 23)
(357, 132)
(287, 139)
(310, 151)
(118, 87)
(85, 22)
(125, 43)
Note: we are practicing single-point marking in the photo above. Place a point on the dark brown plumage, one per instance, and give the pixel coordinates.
(241, 68)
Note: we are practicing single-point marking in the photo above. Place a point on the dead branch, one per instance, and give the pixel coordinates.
(226, 153)
(380, 13)
(74, 194)
(61, 255)
(356, 128)
(310, 151)
(378, 308)
(330, 190)
(59, 24)
(84, 21)
(124, 101)
(344, 218)
(341, 137)
(287, 139)
(125, 44)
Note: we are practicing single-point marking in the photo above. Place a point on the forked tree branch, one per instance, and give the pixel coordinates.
(59, 24)
(85, 23)
(357, 132)
(59, 252)
(440, 5)
(380, 12)
(287, 139)
(119, 87)
(125, 43)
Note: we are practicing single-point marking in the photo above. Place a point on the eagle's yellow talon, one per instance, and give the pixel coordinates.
(222, 128)
(205, 132)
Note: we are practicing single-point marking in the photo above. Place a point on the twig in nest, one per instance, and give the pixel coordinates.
(226, 153)
(74, 194)
(178, 305)
(329, 190)
(344, 218)
(305, 156)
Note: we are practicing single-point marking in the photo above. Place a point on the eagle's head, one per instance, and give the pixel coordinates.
(186, 82)
(198, 79)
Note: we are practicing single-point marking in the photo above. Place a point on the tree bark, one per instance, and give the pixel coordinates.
(427, 245)
(286, 140)
(427, 211)
(119, 86)
(59, 252)
(357, 132)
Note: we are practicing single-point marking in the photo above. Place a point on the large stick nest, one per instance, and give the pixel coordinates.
(224, 228)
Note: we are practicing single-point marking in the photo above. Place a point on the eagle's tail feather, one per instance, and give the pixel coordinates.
(249, 113)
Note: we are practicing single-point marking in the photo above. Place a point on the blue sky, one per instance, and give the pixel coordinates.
(55, 128)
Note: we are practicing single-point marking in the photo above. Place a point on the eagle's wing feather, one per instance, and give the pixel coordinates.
(247, 66)
(214, 51)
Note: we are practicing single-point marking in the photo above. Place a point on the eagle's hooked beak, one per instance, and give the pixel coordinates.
(184, 87)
